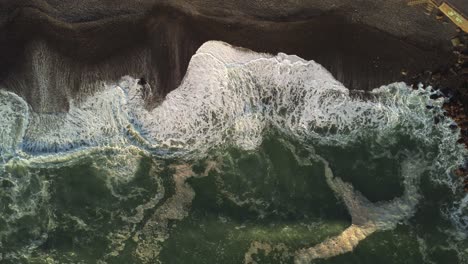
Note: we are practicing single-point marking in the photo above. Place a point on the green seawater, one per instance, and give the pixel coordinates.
(234, 206)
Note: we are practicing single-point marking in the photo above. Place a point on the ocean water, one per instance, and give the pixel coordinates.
(254, 158)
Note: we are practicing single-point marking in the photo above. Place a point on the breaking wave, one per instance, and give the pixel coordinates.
(233, 97)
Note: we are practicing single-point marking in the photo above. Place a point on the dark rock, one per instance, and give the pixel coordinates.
(142, 81)
(460, 172)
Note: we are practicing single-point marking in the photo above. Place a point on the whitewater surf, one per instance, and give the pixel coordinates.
(254, 158)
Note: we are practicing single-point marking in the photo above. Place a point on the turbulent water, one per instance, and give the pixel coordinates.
(254, 158)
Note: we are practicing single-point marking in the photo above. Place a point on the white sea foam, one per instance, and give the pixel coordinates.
(222, 101)
(14, 120)
(98, 121)
(229, 96)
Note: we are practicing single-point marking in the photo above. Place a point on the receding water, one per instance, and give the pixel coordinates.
(253, 159)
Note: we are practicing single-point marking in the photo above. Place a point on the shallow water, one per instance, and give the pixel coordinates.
(253, 159)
